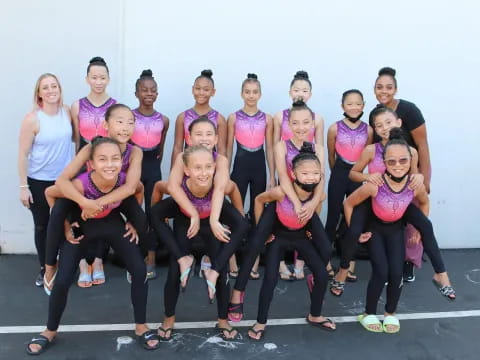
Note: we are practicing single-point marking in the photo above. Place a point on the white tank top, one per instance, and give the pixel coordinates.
(52, 147)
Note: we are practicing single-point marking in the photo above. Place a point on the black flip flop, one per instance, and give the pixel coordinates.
(165, 331)
(146, 337)
(222, 335)
(41, 340)
(256, 332)
(321, 324)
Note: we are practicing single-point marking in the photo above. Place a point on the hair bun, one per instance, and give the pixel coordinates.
(301, 75)
(387, 71)
(307, 148)
(252, 76)
(97, 59)
(207, 73)
(146, 72)
(298, 103)
(396, 133)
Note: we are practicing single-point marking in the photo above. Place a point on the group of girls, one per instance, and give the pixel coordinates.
(77, 203)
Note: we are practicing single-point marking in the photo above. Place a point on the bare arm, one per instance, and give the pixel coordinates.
(75, 123)
(423, 202)
(331, 137)
(277, 127)
(220, 183)
(28, 130)
(230, 137)
(234, 194)
(51, 194)
(419, 136)
(274, 194)
(319, 129)
(174, 187)
(357, 197)
(269, 146)
(179, 138)
(356, 173)
(414, 163)
(370, 135)
(161, 146)
(222, 135)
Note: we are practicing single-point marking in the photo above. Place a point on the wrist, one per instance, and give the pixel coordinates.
(26, 186)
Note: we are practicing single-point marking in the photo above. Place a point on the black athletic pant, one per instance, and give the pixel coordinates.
(41, 213)
(339, 186)
(213, 248)
(264, 228)
(413, 215)
(111, 228)
(296, 240)
(230, 216)
(249, 169)
(151, 173)
(386, 249)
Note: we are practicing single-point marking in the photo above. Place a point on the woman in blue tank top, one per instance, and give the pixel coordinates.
(45, 148)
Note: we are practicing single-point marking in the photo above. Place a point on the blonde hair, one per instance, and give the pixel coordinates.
(191, 150)
(37, 101)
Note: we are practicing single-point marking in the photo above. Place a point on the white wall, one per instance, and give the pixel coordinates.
(432, 44)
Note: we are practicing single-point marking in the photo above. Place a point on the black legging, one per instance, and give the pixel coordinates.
(41, 213)
(264, 228)
(386, 249)
(230, 216)
(111, 228)
(151, 173)
(297, 240)
(213, 248)
(249, 169)
(339, 186)
(413, 215)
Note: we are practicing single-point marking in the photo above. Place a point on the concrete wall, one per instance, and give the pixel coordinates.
(432, 44)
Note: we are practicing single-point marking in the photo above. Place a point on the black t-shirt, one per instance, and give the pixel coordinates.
(411, 117)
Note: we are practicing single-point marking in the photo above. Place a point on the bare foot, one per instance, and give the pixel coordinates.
(185, 262)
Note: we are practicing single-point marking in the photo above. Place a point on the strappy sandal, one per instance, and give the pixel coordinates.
(445, 290)
(337, 285)
(41, 340)
(229, 331)
(233, 274)
(146, 337)
(204, 265)
(151, 272)
(187, 274)
(165, 331)
(351, 276)
(256, 332)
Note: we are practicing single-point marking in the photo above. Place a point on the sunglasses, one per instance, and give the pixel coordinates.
(393, 162)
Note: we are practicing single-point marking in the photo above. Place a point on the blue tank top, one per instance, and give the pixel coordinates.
(52, 148)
